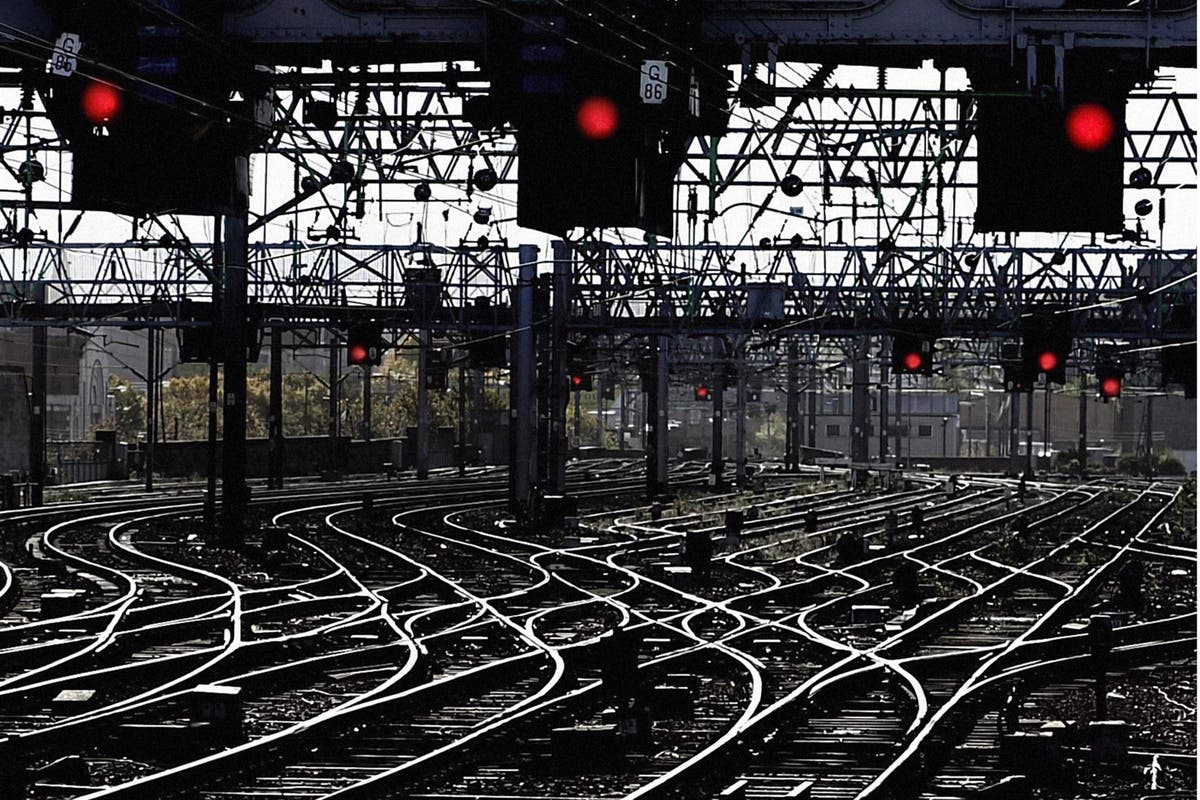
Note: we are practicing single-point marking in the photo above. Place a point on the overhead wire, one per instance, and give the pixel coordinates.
(43, 44)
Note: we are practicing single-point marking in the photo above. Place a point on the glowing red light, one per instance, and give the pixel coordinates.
(912, 361)
(702, 392)
(1110, 387)
(358, 354)
(597, 118)
(1090, 127)
(1047, 361)
(577, 380)
(101, 102)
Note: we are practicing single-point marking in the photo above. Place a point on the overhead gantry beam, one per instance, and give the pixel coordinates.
(892, 28)
(835, 290)
(946, 25)
(900, 32)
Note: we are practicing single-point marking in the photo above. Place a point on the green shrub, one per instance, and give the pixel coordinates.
(1168, 464)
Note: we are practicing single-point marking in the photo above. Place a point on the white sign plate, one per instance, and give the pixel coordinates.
(653, 87)
(62, 60)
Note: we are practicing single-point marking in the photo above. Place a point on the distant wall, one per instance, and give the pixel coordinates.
(14, 421)
(303, 455)
(991, 464)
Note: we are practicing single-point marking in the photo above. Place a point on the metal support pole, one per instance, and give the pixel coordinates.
(740, 423)
(812, 397)
(210, 497)
(624, 416)
(335, 387)
(662, 401)
(883, 402)
(559, 306)
(898, 419)
(644, 412)
(37, 409)
(718, 415)
(522, 389)
(151, 405)
(1046, 421)
(214, 402)
(476, 434)
(462, 420)
(423, 341)
(860, 406)
(1150, 435)
(235, 495)
(1029, 434)
(1100, 640)
(791, 446)
(1014, 433)
(367, 400)
(541, 364)
(275, 417)
(1083, 409)
(601, 380)
(987, 424)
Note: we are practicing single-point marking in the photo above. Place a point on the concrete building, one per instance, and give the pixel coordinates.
(14, 419)
(930, 424)
(63, 351)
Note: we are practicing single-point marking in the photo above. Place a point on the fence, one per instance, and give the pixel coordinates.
(78, 462)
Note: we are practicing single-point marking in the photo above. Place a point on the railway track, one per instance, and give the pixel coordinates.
(406, 638)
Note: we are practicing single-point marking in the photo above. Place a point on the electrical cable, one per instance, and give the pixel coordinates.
(136, 80)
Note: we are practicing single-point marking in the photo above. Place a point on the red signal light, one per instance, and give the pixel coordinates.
(577, 380)
(1110, 387)
(913, 361)
(100, 102)
(701, 392)
(1047, 361)
(597, 118)
(1090, 127)
(358, 354)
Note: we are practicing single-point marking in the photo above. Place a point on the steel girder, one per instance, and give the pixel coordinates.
(836, 290)
(301, 31)
(847, 291)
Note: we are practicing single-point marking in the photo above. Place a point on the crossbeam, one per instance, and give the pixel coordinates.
(897, 32)
(835, 290)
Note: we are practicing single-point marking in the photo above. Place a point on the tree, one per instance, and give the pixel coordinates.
(185, 406)
(129, 410)
(305, 404)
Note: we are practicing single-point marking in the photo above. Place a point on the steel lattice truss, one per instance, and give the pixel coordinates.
(881, 231)
(834, 290)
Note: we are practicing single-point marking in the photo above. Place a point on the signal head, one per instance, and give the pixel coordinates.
(597, 118)
(100, 102)
(913, 361)
(1047, 361)
(1090, 127)
(357, 354)
(1110, 387)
